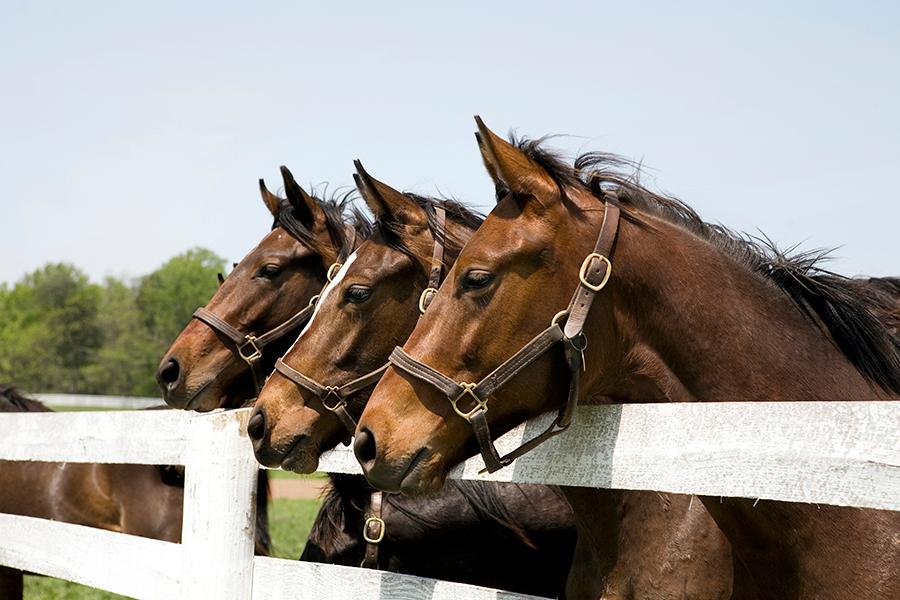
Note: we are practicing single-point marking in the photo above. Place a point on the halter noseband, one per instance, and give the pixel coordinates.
(593, 276)
(250, 347)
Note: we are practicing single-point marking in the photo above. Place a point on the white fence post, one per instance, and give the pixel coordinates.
(219, 508)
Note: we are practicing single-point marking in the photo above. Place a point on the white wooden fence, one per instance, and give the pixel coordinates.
(92, 401)
(829, 453)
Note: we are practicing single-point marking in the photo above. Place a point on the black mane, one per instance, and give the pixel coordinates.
(347, 225)
(456, 212)
(11, 400)
(350, 492)
(856, 317)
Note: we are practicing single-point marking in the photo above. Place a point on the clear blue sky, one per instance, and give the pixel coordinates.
(130, 131)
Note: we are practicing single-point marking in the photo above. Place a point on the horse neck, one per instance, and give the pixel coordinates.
(694, 324)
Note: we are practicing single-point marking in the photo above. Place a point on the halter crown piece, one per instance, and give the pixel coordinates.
(593, 277)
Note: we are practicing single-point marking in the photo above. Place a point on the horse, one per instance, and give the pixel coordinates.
(143, 500)
(667, 308)
(511, 537)
(197, 348)
(221, 357)
(373, 303)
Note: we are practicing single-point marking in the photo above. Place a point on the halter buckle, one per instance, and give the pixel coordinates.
(426, 297)
(313, 300)
(332, 390)
(250, 340)
(583, 272)
(332, 271)
(469, 389)
(381, 528)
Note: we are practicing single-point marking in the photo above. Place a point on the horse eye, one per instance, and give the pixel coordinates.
(357, 294)
(476, 279)
(269, 271)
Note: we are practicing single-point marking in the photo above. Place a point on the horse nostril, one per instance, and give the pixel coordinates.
(364, 447)
(256, 427)
(169, 374)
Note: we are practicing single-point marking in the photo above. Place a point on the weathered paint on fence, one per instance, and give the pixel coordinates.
(826, 452)
(841, 453)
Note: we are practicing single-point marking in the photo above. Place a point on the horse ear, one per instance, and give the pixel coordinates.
(511, 167)
(385, 202)
(306, 208)
(272, 202)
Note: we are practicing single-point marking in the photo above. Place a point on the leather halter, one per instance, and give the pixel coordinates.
(340, 393)
(593, 276)
(374, 527)
(250, 347)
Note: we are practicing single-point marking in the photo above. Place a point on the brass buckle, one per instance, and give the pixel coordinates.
(332, 271)
(582, 273)
(250, 341)
(332, 390)
(424, 298)
(381, 529)
(468, 388)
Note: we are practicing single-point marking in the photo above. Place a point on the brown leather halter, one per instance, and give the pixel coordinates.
(340, 393)
(593, 275)
(250, 347)
(374, 527)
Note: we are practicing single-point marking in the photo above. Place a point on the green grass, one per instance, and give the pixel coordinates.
(289, 522)
(288, 475)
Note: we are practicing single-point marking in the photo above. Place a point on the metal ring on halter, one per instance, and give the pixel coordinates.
(424, 298)
(558, 316)
(250, 341)
(582, 274)
(313, 300)
(468, 390)
(332, 271)
(332, 390)
(381, 528)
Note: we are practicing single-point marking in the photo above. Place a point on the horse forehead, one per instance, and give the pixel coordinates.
(342, 272)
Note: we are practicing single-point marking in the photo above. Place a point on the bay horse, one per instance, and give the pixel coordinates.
(504, 536)
(201, 354)
(143, 500)
(690, 312)
(223, 355)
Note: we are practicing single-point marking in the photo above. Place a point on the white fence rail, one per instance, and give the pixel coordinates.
(91, 401)
(215, 558)
(824, 452)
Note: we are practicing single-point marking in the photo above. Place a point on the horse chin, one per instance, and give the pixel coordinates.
(301, 459)
(425, 476)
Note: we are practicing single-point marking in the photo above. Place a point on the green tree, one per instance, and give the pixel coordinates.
(49, 329)
(126, 361)
(169, 296)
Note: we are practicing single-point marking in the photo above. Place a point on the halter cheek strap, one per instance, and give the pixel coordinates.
(593, 276)
(250, 347)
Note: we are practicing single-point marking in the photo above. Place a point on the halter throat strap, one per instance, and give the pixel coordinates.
(593, 275)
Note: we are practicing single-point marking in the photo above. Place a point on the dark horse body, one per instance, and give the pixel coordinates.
(143, 500)
(502, 536)
(455, 536)
(692, 313)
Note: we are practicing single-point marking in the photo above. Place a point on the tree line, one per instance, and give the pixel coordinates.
(60, 332)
